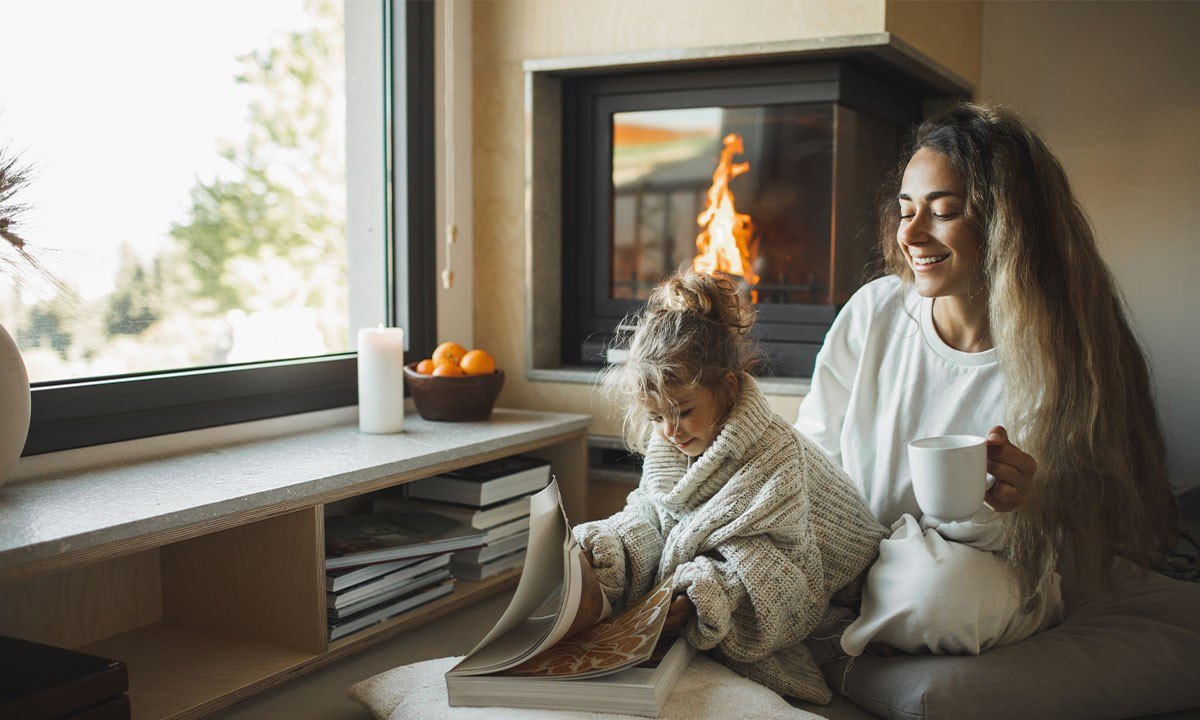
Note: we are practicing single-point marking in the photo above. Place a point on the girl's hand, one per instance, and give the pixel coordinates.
(1013, 470)
(591, 602)
(680, 611)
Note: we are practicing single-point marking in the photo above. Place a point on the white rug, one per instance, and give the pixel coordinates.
(707, 689)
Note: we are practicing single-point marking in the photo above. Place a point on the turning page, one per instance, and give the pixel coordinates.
(551, 571)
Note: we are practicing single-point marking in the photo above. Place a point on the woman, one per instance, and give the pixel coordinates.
(997, 317)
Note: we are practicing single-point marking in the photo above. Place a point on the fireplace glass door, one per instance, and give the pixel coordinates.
(744, 191)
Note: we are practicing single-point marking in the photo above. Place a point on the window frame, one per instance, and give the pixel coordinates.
(80, 413)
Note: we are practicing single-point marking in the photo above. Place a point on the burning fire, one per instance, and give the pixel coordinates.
(725, 243)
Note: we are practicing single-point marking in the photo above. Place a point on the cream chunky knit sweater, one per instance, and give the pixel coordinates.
(764, 531)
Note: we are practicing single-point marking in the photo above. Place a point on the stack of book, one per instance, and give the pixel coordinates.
(493, 498)
(385, 563)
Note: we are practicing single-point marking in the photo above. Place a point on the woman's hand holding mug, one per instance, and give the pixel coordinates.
(1013, 470)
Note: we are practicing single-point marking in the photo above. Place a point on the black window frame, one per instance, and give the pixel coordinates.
(94, 411)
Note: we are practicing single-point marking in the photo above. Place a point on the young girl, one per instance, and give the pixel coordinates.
(760, 530)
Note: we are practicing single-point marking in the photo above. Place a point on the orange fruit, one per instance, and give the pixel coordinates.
(478, 362)
(448, 350)
(447, 369)
(425, 367)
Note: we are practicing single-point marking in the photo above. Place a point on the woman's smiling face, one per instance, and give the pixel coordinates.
(936, 239)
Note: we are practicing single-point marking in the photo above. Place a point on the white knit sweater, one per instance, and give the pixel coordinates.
(764, 531)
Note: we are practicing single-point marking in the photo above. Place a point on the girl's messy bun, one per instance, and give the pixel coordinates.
(692, 332)
(713, 298)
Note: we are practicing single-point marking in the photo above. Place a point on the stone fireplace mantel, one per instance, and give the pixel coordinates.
(544, 159)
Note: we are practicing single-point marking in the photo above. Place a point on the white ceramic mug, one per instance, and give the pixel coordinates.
(949, 475)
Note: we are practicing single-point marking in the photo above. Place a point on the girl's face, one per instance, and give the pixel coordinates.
(935, 238)
(692, 421)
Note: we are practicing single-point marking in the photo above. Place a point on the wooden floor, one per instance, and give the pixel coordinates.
(322, 693)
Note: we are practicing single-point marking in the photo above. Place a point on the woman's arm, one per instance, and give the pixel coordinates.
(823, 412)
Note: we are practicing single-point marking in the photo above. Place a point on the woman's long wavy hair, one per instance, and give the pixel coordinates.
(692, 332)
(1078, 393)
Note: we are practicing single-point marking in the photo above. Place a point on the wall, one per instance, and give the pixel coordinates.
(507, 33)
(1114, 88)
(949, 31)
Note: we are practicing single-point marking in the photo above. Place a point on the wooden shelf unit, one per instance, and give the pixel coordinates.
(215, 618)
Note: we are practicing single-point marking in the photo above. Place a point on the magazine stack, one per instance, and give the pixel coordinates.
(382, 564)
(492, 498)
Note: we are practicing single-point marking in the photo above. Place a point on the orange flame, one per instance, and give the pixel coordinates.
(725, 241)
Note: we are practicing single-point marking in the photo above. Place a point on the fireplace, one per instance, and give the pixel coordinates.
(762, 168)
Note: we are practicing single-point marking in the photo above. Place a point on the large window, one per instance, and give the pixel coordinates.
(219, 202)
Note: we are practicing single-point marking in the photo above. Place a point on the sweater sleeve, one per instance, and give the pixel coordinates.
(751, 599)
(757, 593)
(625, 549)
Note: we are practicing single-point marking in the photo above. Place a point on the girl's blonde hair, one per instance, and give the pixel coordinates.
(1077, 385)
(692, 332)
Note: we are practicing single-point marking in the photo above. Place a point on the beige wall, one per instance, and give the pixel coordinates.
(949, 31)
(508, 33)
(1115, 89)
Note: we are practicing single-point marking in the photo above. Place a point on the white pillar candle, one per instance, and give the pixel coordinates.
(381, 380)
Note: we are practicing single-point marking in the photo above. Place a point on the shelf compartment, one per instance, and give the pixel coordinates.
(263, 581)
(181, 672)
(465, 593)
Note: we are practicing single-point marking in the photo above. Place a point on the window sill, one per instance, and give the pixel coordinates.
(798, 387)
(118, 504)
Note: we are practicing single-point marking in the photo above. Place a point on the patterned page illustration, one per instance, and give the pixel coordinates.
(606, 647)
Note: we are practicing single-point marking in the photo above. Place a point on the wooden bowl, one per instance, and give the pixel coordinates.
(453, 399)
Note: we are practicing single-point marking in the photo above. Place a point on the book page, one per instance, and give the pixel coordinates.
(607, 647)
(550, 570)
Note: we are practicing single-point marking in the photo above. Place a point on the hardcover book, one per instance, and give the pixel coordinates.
(480, 518)
(467, 570)
(377, 537)
(508, 529)
(495, 550)
(44, 681)
(484, 484)
(528, 661)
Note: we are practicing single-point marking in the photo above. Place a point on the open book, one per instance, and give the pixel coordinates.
(527, 661)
